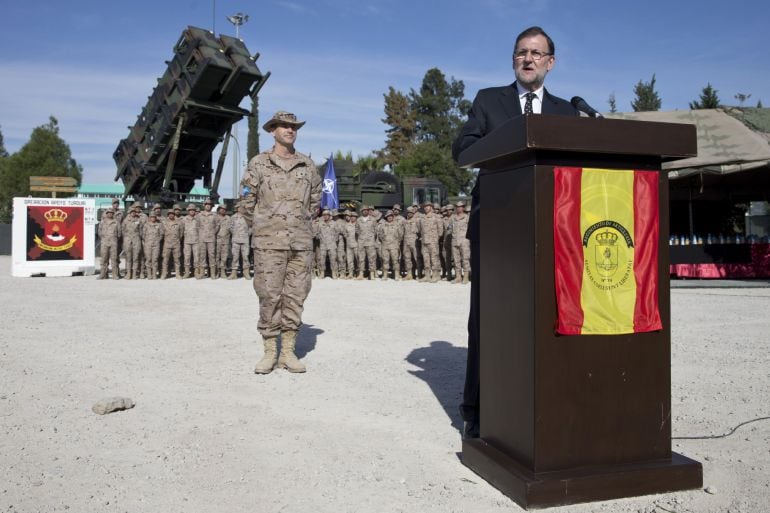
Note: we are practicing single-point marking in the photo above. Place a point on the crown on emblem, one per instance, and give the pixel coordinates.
(55, 215)
(606, 238)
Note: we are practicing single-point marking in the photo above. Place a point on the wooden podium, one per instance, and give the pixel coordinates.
(567, 419)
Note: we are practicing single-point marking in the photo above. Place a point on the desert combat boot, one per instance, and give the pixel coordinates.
(288, 360)
(270, 358)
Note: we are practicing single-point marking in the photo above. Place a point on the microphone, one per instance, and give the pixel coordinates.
(581, 105)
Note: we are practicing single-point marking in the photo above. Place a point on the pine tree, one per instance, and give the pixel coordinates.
(759, 104)
(252, 145)
(708, 99)
(45, 154)
(647, 98)
(613, 105)
(400, 135)
(439, 108)
(3, 152)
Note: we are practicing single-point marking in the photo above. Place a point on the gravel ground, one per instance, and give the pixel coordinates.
(372, 426)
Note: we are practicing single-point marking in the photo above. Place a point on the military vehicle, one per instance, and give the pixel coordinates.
(191, 110)
(382, 189)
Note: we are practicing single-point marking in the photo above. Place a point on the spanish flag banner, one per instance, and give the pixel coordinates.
(606, 251)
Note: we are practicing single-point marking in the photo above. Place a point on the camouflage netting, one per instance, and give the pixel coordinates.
(726, 143)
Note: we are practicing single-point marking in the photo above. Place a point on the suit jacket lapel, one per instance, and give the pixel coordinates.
(549, 106)
(509, 99)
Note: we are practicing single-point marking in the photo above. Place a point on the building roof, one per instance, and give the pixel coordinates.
(726, 144)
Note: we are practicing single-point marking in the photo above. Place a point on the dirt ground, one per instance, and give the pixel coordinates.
(372, 426)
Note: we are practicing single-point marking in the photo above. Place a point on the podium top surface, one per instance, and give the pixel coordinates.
(523, 134)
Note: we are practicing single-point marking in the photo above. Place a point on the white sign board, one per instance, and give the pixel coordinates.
(53, 237)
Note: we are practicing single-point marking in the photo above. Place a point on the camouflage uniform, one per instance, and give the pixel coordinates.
(431, 229)
(283, 194)
(461, 246)
(224, 230)
(172, 240)
(190, 235)
(351, 244)
(207, 240)
(366, 229)
(318, 273)
(240, 250)
(152, 235)
(341, 260)
(132, 243)
(118, 216)
(389, 234)
(446, 249)
(327, 234)
(109, 235)
(411, 253)
(143, 218)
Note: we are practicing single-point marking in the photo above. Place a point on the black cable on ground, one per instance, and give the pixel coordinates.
(712, 437)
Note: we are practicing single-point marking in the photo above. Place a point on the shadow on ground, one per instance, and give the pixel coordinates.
(306, 339)
(442, 367)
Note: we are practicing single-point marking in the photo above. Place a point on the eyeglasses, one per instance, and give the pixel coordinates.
(536, 55)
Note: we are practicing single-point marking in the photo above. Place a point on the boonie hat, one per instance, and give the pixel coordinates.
(283, 117)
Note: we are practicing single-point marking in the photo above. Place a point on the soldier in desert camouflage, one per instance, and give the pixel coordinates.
(447, 212)
(351, 244)
(339, 220)
(389, 234)
(411, 251)
(172, 240)
(109, 235)
(461, 246)
(282, 189)
(152, 236)
(240, 237)
(224, 225)
(208, 224)
(431, 229)
(366, 232)
(190, 235)
(327, 234)
(132, 243)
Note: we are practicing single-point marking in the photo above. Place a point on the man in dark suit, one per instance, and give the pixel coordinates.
(533, 57)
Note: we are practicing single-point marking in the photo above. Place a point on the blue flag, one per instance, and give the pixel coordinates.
(329, 197)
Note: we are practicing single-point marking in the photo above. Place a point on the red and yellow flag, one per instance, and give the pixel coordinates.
(606, 251)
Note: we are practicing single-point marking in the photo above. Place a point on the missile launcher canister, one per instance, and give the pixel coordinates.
(191, 110)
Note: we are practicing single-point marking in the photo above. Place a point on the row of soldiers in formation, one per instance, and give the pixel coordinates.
(151, 243)
(430, 245)
(430, 242)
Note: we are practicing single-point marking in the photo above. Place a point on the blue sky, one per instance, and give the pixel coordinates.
(92, 64)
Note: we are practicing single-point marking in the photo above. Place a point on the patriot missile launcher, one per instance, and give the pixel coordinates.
(191, 110)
